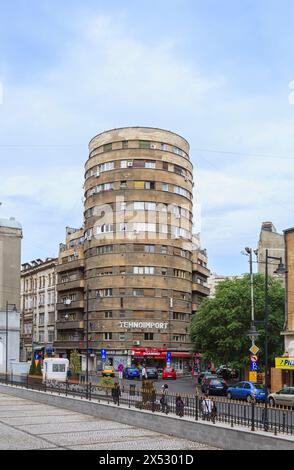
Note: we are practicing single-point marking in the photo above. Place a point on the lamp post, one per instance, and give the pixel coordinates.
(280, 270)
(13, 306)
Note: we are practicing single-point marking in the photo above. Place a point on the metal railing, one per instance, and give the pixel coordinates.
(279, 419)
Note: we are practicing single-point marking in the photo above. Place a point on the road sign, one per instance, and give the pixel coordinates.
(252, 376)
(253, 358)
(254, 349)
(103, 354)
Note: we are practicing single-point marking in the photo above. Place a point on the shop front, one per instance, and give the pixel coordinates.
(284, 368)
(156, 357)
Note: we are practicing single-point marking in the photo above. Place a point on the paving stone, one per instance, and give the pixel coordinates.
(13, 439)
(29, 425)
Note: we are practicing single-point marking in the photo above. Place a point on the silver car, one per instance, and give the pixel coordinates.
(284, 397)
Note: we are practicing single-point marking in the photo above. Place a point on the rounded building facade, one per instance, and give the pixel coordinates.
(138, 250)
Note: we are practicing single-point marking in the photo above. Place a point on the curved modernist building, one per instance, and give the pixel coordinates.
(138, 250)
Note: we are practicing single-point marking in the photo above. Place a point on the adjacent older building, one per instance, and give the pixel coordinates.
(10, 255)
(271, 240)
(38, 307)
(200, 274)
(70, 294)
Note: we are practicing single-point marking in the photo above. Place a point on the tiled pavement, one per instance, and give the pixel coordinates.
(29, 425)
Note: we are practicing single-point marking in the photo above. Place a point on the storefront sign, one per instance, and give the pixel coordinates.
(284, 363)
(156, 353)
(142, 325)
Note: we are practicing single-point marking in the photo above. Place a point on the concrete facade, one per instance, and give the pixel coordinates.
(10, 255)
(270, 239)
(38, 307)
(138, 243)
(289, 320)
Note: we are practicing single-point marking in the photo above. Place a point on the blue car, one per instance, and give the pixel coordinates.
(131, 373)
(246, 391)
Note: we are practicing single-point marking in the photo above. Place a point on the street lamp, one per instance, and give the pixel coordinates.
(14, 309)
(280, 270)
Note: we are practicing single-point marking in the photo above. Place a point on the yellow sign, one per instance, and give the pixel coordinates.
(284, 363)
(36, 362)
(252, 376)
(254, 349)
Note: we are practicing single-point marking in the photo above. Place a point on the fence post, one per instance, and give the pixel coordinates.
(27, 380)
(90, 391)
(66, 387)
(252, 416)
(196, 407)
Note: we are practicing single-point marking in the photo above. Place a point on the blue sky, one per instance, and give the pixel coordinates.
(218, 72)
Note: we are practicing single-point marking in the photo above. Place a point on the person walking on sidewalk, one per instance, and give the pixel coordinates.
(164, 399)
(116, 393)
(179, 406)
(206, 406)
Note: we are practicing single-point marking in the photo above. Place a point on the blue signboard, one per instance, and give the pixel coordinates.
(168, 356)
(103, 354)
(253, 366)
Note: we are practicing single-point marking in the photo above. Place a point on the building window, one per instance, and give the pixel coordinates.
(108, 314)
(164, 250)
(144, 144)
(51, 336)
(125, 144)
(164, 187)
(164, 271)
(107, 336)
(139, 206)
(104, 292)
(41, 336)
(148, 336)
(165, 165)
(138, 292)
(106, 166)
(150, 164)
(104, 249)
(122, 336)
(107, 147)
(163, 146)
(123, 185)
(143, 270)
(149, 248)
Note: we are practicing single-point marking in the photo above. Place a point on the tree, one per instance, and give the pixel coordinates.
(75, 362)
(219, 327)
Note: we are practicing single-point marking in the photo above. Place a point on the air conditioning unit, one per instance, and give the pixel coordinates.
(130, 163)
(153, 146)
(97, 174)
(136, 343)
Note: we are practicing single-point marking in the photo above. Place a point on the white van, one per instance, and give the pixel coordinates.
(55, 368)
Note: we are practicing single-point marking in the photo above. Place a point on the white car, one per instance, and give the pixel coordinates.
(284, 397)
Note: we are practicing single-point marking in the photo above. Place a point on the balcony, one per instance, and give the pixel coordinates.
(70, 325)
(197, 268)
(70, 285)
(74, 305)
(200, 289)
(70, 265)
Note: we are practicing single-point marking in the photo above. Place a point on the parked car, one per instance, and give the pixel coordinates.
(108, 371)
(214, 387)
(247, 391)
(206, 375)
(169, 373)
(151, 373)
(131, 373)
(284, 397)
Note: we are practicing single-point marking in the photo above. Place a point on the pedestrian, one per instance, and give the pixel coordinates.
(207, 405)
(116, 393)
(179, 406)
(120, 371)
(164, 399)
(144, 373)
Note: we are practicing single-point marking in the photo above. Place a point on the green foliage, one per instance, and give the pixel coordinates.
(75, 362)
(106, 382)
(219, 327)
(35, 370)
